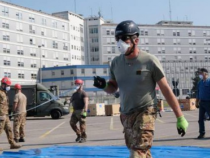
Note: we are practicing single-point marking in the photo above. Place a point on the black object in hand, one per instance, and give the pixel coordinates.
(181, 132)
(99, 82)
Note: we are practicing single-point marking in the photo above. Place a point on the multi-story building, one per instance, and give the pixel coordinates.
(31, 39)
(180, 46)
(177, 40)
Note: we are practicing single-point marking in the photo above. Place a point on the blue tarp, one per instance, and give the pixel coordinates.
(106, 152)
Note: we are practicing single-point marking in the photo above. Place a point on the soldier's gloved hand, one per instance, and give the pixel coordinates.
(99, 82)
(182, 125)
(83, 114)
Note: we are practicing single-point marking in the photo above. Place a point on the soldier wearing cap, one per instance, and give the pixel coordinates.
(203, 100)
(19, 110)
(79, 101)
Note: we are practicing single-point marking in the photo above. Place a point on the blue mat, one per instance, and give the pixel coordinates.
(106, 152)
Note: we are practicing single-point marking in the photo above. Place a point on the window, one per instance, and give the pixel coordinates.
(20, 63)
(32, 29)
(147, 41)
(19, 15)
(105, 70)
(33, 76)
(20, 38)
(53, 73)
(20, 50)
(63, 26)
(7, 73)
(62, 72)
(19, 26)
(7, 61)
(65, 36)
(44, 96)
(158, 32)
(44, 21)
(33, 64)
(65, 57)
(176, 33)
(54, 34)
(93, 30)
(94, 71)
(55, 45)
(21, 75)
(32, 41)
(54, 24)
(192, 42)
(5, 24)
(5, 11)
(32, 52)
(107, 32)
(55, 55)
(6, 48)
(82, 71)
(31, 18)
(65, 47)
(44, 54)
(113, 49)
(6, 36)
(71, 72)
(44, 43)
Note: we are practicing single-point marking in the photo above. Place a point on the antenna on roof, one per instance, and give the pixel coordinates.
(91, 11)
(170, 10)
(111, 12)
(75, 6)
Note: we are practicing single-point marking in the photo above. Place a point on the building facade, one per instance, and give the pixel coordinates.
(31, 39)
(64, 77)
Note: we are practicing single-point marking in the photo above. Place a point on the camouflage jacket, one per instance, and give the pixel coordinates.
(4, 105)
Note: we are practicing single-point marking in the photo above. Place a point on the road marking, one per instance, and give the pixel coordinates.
(159, 120)
(111, 124)
(45, 134)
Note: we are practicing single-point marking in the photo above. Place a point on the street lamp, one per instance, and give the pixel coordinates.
(40, 70)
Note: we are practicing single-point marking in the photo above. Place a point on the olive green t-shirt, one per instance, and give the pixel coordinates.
(136, 79)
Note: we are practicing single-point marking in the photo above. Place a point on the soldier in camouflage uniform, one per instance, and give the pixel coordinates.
(19, 110)
(4, 118)
(79, 101)
(136, 73)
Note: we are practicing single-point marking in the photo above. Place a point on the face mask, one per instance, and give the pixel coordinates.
(201, 77)
(77, 87)
(122, 46)
(7, 89)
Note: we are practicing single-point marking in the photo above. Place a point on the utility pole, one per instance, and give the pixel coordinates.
(40, 67)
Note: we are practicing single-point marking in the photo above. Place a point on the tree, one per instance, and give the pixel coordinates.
(195, 80)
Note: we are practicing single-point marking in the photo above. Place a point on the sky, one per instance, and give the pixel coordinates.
(140, 11)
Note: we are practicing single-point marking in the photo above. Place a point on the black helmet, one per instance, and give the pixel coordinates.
(127, 28)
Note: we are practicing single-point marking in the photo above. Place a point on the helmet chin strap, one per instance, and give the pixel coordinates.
(132, 49)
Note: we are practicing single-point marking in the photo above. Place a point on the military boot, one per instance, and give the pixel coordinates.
(16, 140)
(21, 140)
(78, 138)
(82, 140)
(15, 146)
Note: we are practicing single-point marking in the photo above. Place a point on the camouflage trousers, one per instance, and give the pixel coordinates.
(139, 130)
(19, 125)
(6, 126)
(75, 118)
